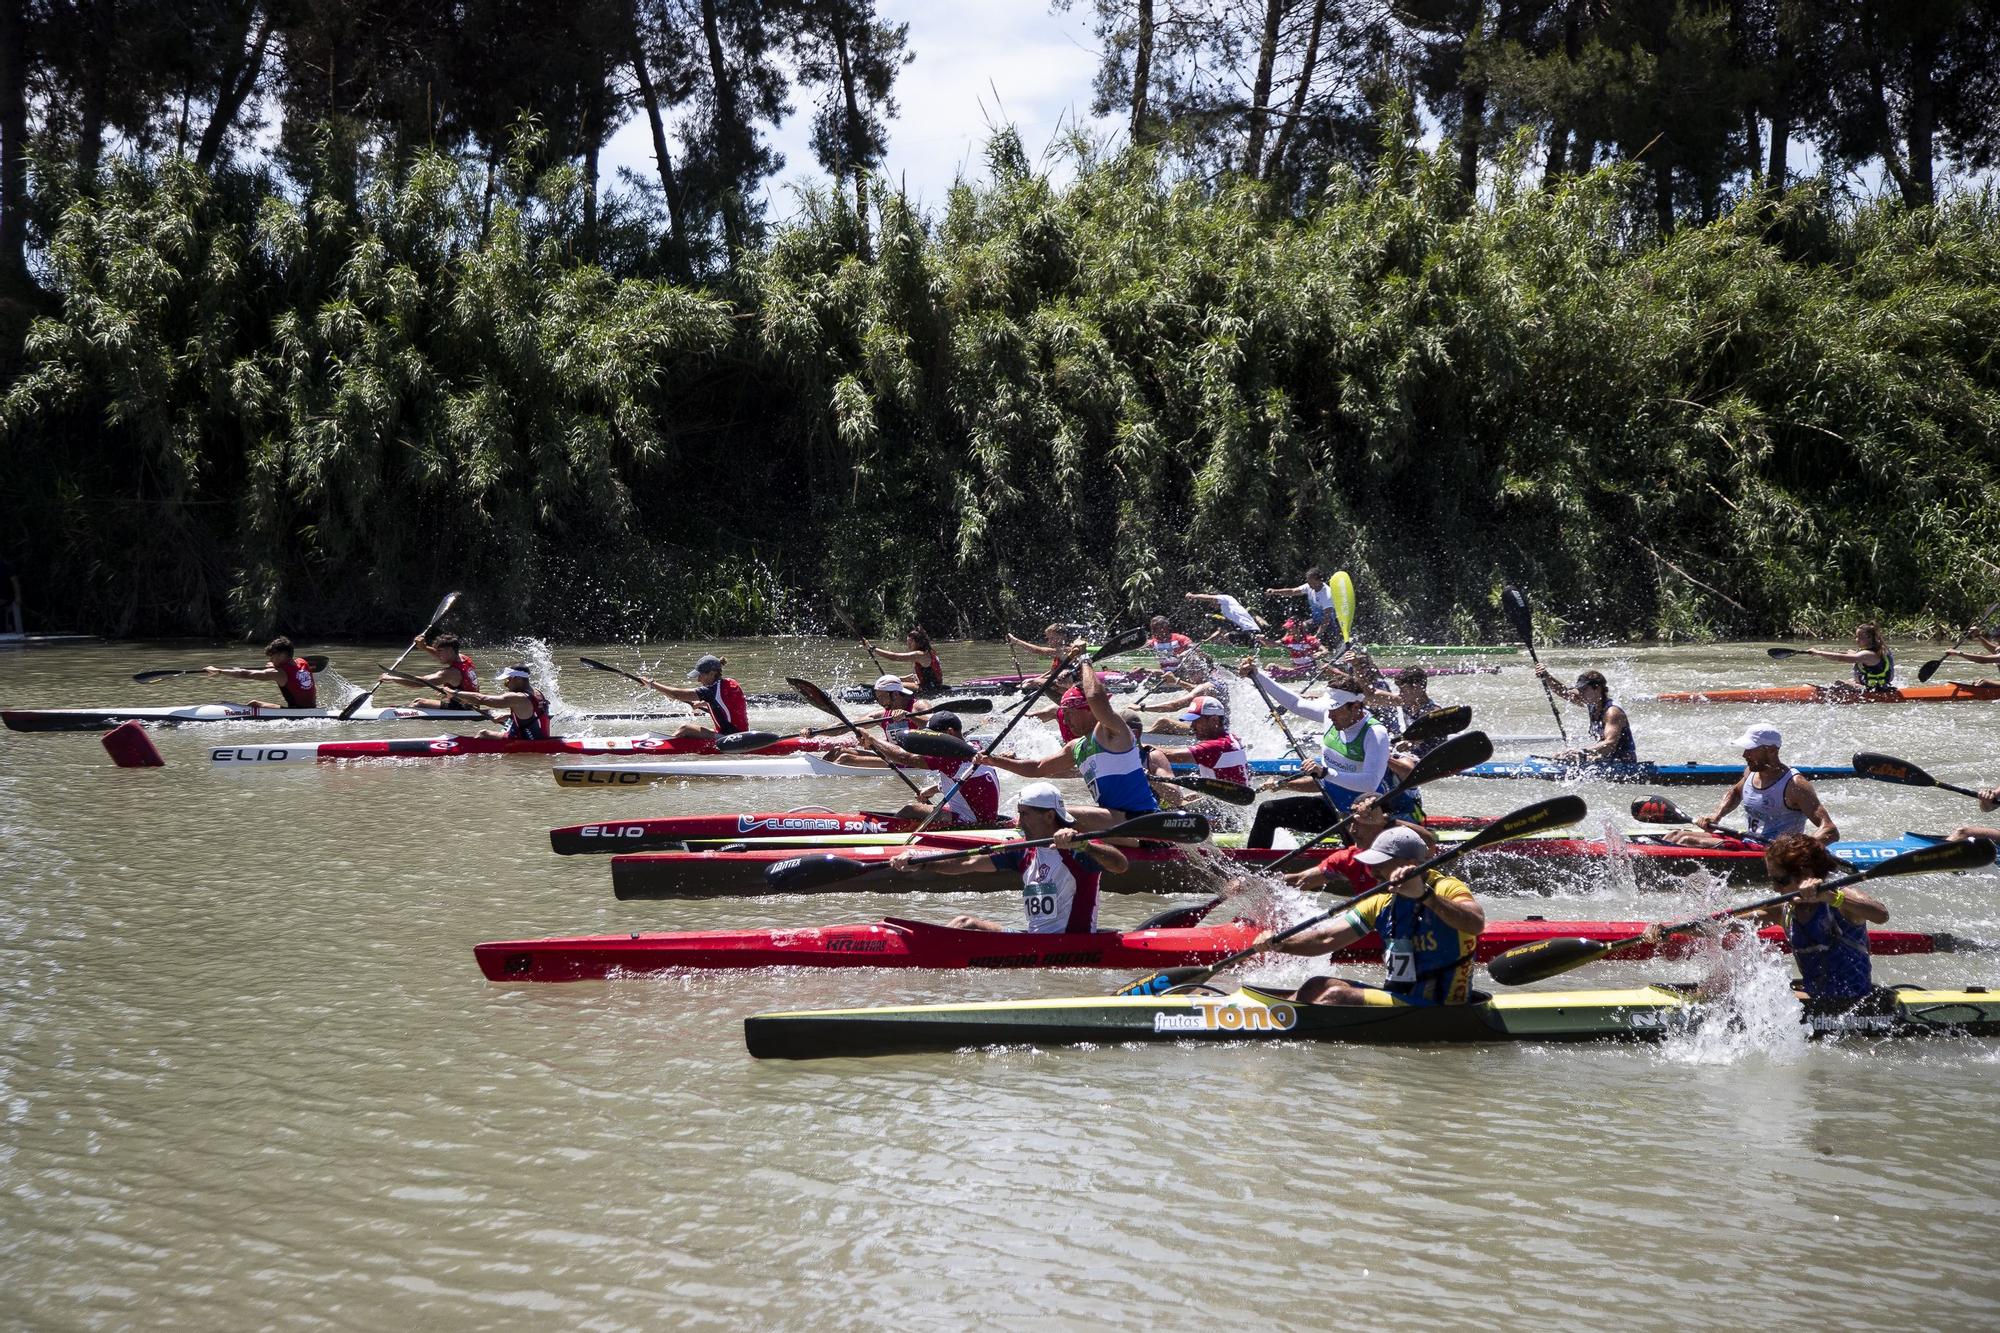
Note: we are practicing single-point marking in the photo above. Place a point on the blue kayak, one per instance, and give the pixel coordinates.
(1546, 770)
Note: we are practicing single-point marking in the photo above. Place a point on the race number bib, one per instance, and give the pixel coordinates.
(1399, 962)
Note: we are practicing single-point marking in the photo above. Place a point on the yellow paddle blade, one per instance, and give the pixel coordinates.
(1342, 588)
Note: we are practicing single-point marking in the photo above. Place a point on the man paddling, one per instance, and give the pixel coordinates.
(974, 787)
(1611, 740)
(1105, 754)
(1370, 820)
(1319, 600)
(1240, 627)
(294, 678)
(1216, 753)
(1410, 700)
(527, 708)
(1776, 799)
(1827, 932)
(722, 698)
(455, 670)
(1353, 758)
(1059, 883)
(1429, 923)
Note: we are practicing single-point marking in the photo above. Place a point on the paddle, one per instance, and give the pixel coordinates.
(819, 699)
(360, 701)
(1660, 810)
(848, 622)
(741, 741)
(1454, 756)
(1780, 654)
(1552, 957)
(1123, 642)
(596, 665)
(804, 874)
(1233, 793)
(316, 663)
(1930, 668)
(1444, 722)
(1887, 768)
(1515, 603)
(1340, 588)
(1557, 813)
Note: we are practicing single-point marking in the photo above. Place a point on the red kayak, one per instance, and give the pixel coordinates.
(728, 873)
(895, 942)
(455, 747)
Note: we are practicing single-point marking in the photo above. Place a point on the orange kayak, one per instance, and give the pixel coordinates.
(1957, 692)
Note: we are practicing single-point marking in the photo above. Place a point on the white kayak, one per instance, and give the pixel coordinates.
(103, 719)
(454, 747)
(671, 770)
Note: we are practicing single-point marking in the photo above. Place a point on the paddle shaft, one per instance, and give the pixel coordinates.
(315, 664)
(1524, 625)
(360, 701)
(1425, 771)
(826, 702)
(1930, 668)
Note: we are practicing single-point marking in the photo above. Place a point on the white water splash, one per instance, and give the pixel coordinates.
(1750, 1011)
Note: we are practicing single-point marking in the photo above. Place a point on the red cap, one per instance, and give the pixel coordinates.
(1073, 698)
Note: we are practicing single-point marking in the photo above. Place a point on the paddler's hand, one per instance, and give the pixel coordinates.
(1314, 770)
(1813, 891)
(1543, 674)
(1247, 667)
(1066, 838)
(900, 862)
(1406, 884)
(1653, 934)
(1707, 823)
(1989, 798)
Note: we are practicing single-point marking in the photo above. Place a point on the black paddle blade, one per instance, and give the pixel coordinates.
(814, 695)
(977, 705)
(148, 677)
(1454, 756)
(1514, 603)
(1122, 642)
(936, 744)
(741, 742)
(316, 664)
(1231, 793)
(596, 665)
(802, 874)
(1530, 963)
(1162, 982)
(1560, 812)
(1934, 859)
(1780, 654)
(1658, 810)
(1444, 722)
(1888, 768)
(1929, 669)
(1180, 918)
(1166, 825)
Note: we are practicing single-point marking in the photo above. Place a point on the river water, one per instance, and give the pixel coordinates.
(252, 1077)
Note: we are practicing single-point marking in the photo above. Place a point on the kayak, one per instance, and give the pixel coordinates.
(1955, 692)
(103, 719)
(1279, 653)
(896, 942)
(793, 765)
(456, 747)
(645, 835)
(1251, 1014)
(733, 871)
(1546, 770)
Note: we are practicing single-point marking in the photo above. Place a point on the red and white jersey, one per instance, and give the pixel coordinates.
(297, 685)
(1303, 648)
(977, 800)
(1058, 889)
(1171, 649)
(1222, 758)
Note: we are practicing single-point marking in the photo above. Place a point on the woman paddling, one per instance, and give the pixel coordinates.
(1059, 883)
(728, 710)
(1610, 730)
(929, 674)
(1874, 664)
(294, 678)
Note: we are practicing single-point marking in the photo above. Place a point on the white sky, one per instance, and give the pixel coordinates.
(979, 64)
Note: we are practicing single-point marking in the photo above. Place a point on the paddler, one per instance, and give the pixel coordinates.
(1430, 925)
(1874, 665)
(1319, 600)
(1989, 800)
(1827, 932)
(455, 670)
(1239, 626)
(294, 678)
(1105, 754)
(1991, 657)
(527, 708)
(974, 787)
(728, 710)
(1216, 753)
(928, 676)
(1410, 700)
(1055, 644)
(1353, 758)
(1610, 729)
(1302, 647)
(1370, 820)
(1776, 799)
(1058, 883)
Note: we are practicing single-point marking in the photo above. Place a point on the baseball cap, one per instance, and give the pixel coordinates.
(1073, 697)
(706, 662)
(1205, 706)
(942, 719)
(1758, 736)
(891, 684)
(1394, 844)
(1043, 796)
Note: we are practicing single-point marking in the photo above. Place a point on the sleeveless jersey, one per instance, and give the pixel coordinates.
(535, 728)
(1770, 818)
(1351, 758)
(1170, 649)
(1427, 961)
(1302, 648)
(297, 685)
(898, 724)
(468, 678)
(1880, 677)
(976, 799)
(1628, 749)
(1831, 951)
(1116, 781)
(1058, 888)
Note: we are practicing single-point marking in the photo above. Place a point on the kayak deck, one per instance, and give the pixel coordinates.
(1633, 1014)
(1953, 692)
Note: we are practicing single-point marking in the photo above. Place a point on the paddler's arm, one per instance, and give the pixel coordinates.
(1850, 903)
(246, 673)
(1281, 696)
(1984, 659)
(1730, 800)
(687, 694)
(1803, 797)
(1109, 859)
(1334, 935)
(1840, 655)
(1556, 687)
(892, 654)
(1057, 765)
(1101, 708)
(1616, 725)
(1456, 913)
(975, 865)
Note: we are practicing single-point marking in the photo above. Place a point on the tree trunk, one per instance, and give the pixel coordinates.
(1556, 162)
(1296, 112)
(593, 140)
(239, 80)
(670, 185)
(1142, 72)
(90, 114)
(1923, 122)
(854, 133)
(1260, 92)
(728, 130)
(1663, 197)
(13, 146)
(1776, 168)
(1471, 125)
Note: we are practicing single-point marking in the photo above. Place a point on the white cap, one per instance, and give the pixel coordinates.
(1758, 736)
(515, 673)
(892, 684)
(1043, 796)
(1394, 844)
(1339, 697)
(1206, 706)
